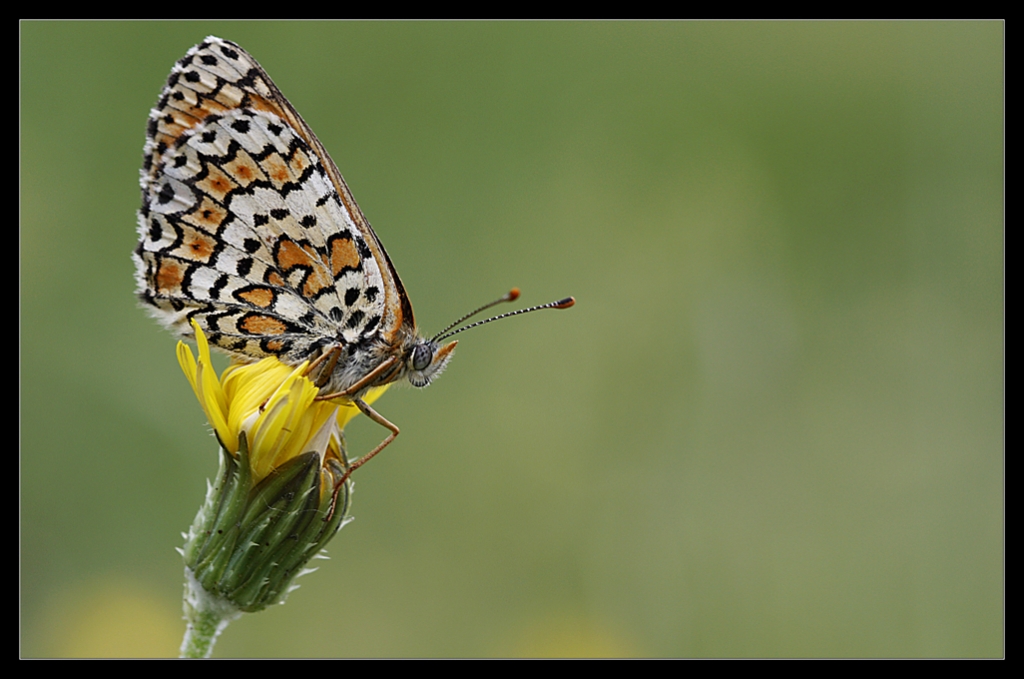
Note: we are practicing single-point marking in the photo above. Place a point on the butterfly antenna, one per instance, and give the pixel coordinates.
(510, 296)
(560, 304)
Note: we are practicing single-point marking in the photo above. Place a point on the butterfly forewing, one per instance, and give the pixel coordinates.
(246, 225)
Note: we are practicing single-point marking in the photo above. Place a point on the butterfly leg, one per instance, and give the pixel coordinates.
(323, 373)
(379, 419)
(361, 384)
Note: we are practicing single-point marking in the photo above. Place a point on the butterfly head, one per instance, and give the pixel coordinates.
(426, 360)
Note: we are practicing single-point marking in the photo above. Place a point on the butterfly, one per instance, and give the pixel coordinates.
(248, 229)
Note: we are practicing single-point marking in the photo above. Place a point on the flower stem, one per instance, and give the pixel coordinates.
(207, 616)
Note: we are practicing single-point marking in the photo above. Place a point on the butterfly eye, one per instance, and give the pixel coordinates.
(421, 356)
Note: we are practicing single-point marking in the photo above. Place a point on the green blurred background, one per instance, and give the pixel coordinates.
(771, 426)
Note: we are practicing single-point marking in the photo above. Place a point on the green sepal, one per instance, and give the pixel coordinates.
(214, 532)
(322, 525)
(281, 506)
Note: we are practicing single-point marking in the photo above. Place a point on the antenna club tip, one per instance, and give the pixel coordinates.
(512, 295)
(565, 303)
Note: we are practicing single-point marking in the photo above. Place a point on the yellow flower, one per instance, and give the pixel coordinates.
(272, 403)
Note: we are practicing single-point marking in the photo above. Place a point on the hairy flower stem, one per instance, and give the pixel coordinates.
(207, 617)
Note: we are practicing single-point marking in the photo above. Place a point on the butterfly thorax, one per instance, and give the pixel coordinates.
(407, 357)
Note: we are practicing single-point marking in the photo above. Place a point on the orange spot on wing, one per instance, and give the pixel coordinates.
(343, 254)
(169, 275)
(197, 246)
(216, 183)
(315, 283)
(243, 169)
(290, 255)
(277, 169)
(262, 325)
(261, 297)
(299, 163)
(208, 216)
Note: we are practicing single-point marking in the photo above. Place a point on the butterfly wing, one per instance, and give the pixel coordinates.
(246, 225)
